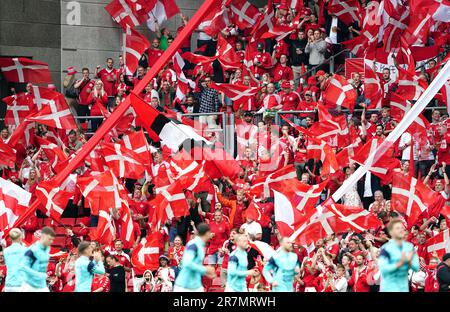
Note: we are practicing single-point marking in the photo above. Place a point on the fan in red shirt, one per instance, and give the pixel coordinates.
(123, 258)
(162, 176)
(100, 283)
(108, 75)
(176, 254)
(282, 71)
(262, 61)
(220, 231)
(443, 146)
(154, 52)
(289, 99)
(359, 276)
(97, 100)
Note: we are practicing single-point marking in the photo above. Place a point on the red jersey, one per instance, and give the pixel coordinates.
(110, 86)
(175, 255)
(162, 175)
(123, 258)
(98, 103)
(265, 62)
(289, 100)
(359, 280)
(85, 91)
(443, 146)
(221, 232)
(307, 106)
(153, 55)
(100, 281)
(186, 42)
(282, 73)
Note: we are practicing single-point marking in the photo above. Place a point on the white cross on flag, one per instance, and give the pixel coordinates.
(125, 14)
(54, 154)
(61, 119)
(358, 218)
(238, 94)
(243, 13)
(439, 243)
(25, 70)
(411, 197)
(18, 108)
(123, 162)
(137, 142)
(146, 254)
(263, 186)
(14, 202)
(339, 93)
(8, 155)
(347, 11)
(264, 22)
(372, 86)
(162, 11)
(134, 45)
(331, 129)
(400, 106)
(215, 21)
(383, 166)
(53, 199)
(410, 87)
(226, 55)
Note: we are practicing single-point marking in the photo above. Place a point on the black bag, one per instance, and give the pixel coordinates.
(72, 92)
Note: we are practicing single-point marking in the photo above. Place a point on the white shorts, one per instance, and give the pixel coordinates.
(12, 289)
(28, 288)
(182, 289)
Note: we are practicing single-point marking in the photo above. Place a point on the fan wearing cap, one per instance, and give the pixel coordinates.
(289, 99)
(165, 275)
(307, 105)
(262, 61)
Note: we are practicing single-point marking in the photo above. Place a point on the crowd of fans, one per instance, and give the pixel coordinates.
(291, 74)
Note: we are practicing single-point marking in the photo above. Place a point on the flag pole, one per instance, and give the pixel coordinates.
(109, 123)
(401, 127)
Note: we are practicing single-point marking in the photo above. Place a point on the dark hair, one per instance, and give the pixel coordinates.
(113, 257)
(83, 246)
(72, 132)
(48, 231)
(393, 214)
(202, 229)
(85, 68)
(109, 58)
(340, 266)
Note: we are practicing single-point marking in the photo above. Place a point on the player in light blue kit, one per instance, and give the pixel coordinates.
(35, 262)
(237, 266)
(14, 255)
(397, 257)
(192, 269)
(282, 267)
(85, 268)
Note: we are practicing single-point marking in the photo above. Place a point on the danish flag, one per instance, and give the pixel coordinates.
(125, 14)
(244, 14)
(264, 22)
(170, 203)
(14, 202)
(262, 187)
(146, 254)
(162, 10)
(411, 197)
(53, 199)
(254, 212)
(8, 155)
(18, 108)
(123, 162)
(24, 70)
(136, 142)
(106, 231)
(439, 243)
(62, 119)
(383, 166)
(54, 154)
(183, 84)
(396, 20)
(216, 21)
(238, 94)
(226, 54)
(347, 11)
(347, 153)
(400, 106)
(410, 86)
(372, 86)
(358, 218)
(440, 9)
(330, 127)
(134, 46)
(339, 93)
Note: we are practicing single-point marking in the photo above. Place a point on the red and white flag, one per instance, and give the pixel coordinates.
(184, 85)
(53, 199)
(124, 13)
(8, 155)
(14, 201)
(53, 152)
(440, 9)
(372, 86)
(134, 46)
(62, 119)
(238, 94)
(411, 197)
(439, 243)
(226, 55)
(123, 162)
(348, 11)
(137, 142)
(19, 106)
(339, 93)
(263, 187)
(24, 70)
(358, 218)
(243, 13)
(145, 255)
(410, 87)
(215, 21)
(264, 22)
(162, 11)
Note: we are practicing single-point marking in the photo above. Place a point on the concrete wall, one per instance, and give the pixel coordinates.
(44, 30)
(98, 36)
(32, 28)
